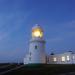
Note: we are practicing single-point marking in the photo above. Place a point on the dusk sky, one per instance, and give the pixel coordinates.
(17, 17)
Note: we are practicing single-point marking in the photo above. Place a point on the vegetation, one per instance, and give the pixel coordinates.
(38, 69)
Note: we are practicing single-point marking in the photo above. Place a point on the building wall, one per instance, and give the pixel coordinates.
(64, 58)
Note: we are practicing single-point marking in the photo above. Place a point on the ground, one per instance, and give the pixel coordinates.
(36, 69)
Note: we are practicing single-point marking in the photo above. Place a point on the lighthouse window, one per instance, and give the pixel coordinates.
(30, 58)
(35, 47)
(30, 53)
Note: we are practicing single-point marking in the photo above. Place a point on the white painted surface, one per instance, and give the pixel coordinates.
(36, 55)
(59, 58)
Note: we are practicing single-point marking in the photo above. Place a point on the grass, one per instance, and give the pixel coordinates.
(45, 69)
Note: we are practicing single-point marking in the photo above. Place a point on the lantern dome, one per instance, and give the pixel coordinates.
(37, 31)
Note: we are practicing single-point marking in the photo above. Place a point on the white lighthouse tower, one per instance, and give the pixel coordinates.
(36, 54)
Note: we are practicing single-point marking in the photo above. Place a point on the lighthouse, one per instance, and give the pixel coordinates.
(36, 53)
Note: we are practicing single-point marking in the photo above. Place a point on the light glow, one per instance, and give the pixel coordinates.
(37, 33)
(54, 59)
(68, 58)
(63, 58)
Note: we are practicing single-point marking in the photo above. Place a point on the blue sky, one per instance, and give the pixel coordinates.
(17, 17)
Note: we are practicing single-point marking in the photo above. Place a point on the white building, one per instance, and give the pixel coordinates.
(37, 53)
(64, 58)
(36, 47)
